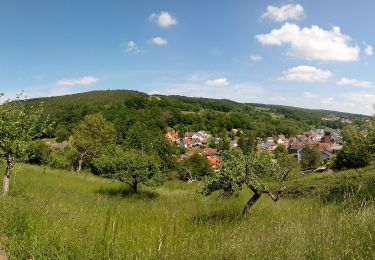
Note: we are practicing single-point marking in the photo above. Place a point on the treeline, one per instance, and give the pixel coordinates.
(123, 108)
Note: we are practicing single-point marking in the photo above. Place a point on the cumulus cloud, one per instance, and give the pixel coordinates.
(217, 82)
(355, 83)
(163, 19)
(307, 74)
(312, 43)
(307, 94)
(255, 57)
(158, 41)
(87, 80)
(131, 47)
(283, 13)
(368, 49)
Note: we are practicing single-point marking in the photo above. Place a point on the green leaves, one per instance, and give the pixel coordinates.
(130, 166)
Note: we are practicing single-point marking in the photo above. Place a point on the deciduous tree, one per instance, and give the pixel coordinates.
(19, 124)
(238, 170)
(93, 134)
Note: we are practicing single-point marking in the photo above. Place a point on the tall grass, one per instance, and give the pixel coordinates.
(62, 215)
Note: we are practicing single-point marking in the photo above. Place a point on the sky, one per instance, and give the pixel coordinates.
(312, 54)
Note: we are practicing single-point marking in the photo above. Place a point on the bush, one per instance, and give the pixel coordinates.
(38, 152)
(63, 159)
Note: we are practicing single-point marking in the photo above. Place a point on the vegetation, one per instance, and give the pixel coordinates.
(91, 136)
(123, 108)
(131, 167)
(358, 150)
(19, 124)
(238, 170)
(310, 157)
(196, 167)
(63, 215)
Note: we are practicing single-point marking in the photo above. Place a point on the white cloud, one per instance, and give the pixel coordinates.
(307, 94)
(312, 43)
(355, 83)
(131, 47)
(87, 80)
(255, 57)
(158, 41)
(164, 19)
(307, 74)
(364, 100)
(368, 49)
(217, 82)
(283, 13)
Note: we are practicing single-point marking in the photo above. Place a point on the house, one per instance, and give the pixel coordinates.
(209, 152)
(214, 161)
(327, 138)
(201, 138)
(172, 136)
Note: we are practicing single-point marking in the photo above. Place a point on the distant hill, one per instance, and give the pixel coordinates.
(124, 107)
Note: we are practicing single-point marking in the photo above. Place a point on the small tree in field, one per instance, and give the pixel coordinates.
(131, 167)
(238, 170)
(310, 157)
(20, 122)
(93, 134)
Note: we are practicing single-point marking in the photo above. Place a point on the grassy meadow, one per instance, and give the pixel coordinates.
(56, 214)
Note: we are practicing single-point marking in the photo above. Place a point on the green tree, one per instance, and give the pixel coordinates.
(93, 134)
(238, 170)
(310, 157)
(247, 141)
(38, 152)
(131, 167)
(19, 124)
(280, 151)
(140, 138)
(196, 167)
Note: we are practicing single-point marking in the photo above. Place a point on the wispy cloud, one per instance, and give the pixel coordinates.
(307, 74)
(256, 57)
(355, 83)
(217, 82)
(87, 80)
(283, 13)
(131, 47)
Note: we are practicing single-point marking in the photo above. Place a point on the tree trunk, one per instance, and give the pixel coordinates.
(8, 170)
(135, 187)
(80, 162)
(250, 203)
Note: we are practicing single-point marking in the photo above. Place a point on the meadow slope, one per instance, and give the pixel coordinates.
(63, 215)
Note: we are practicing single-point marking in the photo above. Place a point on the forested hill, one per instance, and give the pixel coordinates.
(124, 107)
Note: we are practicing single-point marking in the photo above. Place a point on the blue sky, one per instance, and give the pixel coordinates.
(314, 54)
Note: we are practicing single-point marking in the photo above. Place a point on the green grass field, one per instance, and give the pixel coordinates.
(63, 215)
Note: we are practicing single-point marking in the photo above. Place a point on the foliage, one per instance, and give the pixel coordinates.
(247, 141)
(238, 170)
(280, 151)
(63, 158)
(196, 167)
(91, 136)
(38, 152)
(131, 167)
(354, 154)
(310, 157)
(123, 108)
(20, 122)
(140, 138)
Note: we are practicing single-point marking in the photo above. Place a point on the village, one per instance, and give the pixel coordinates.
(329, 143)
